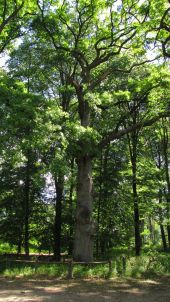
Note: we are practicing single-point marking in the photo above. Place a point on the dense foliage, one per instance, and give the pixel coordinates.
(84, 133)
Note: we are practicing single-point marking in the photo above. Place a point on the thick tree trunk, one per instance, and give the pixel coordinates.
(84, 225)
(59, 185)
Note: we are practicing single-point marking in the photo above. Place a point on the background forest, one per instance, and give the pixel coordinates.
(84, 127)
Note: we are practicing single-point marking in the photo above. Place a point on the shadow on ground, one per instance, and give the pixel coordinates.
(132, 290)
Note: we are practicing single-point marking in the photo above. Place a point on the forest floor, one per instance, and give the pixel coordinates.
(113, 290)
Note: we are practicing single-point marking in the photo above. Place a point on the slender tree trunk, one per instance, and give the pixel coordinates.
(84, 227)
(102, 244)
(59, 185)
(142, 227)
(133, 156)
(133, 141)
(20, 238)
(27, 180)
(164, 243)
(136, 209)
(163, 237)
(72, 185)
(168, 193)
(165, 150)
(19, 245)
(105, 198)
(27, 207)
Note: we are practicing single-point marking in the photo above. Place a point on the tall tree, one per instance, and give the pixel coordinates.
(89, 58)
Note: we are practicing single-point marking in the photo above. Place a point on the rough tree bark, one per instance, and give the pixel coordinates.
(84, 225)
(84, 228)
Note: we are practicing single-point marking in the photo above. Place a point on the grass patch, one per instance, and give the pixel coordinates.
(90, 271)
(143, 266)
(148, 266)
(13, 269)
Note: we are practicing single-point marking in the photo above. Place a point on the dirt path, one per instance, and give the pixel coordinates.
(23, 290)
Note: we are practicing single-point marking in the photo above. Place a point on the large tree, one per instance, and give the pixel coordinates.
(93, 40)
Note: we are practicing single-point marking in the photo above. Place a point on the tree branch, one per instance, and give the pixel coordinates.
(49, 32)
(104, 57)
(118, 134)
(110, 70)
(164, 44)
(10, 17)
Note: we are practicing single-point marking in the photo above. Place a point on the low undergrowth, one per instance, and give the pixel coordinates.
(125, 266)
